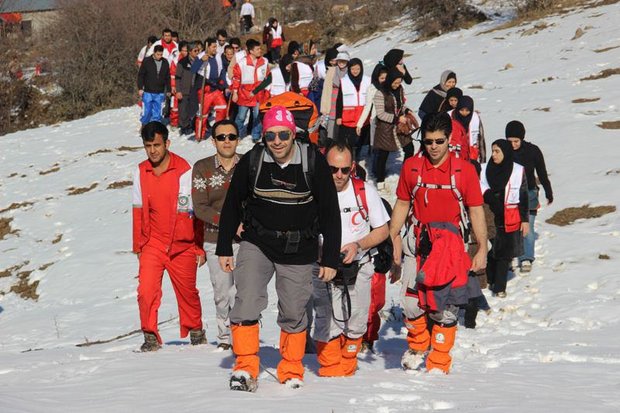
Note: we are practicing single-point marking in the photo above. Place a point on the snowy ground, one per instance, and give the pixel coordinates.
(552, 345)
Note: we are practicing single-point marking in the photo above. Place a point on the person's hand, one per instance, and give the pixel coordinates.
(327, 273)
(525, 228)
(140, 92)
(235, 96)
(204, 57)
(397, 255)
(240, 230)
(350, 251)
(227, 264)
(395, 273)
(338, 121)
(179, 96)
(401, 68)
(549, 201)
(402, 119)
(480, 260)
(200, 260)
(358, 131)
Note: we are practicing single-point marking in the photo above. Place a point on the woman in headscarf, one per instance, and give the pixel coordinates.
(352, 95)
(452, 99)
(393, 59)
(330, 90)
(461, 117)
(436, 95)
(504, 188)
(379, 75)
(391, 110)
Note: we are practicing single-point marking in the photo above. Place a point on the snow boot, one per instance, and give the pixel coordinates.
(418, 337)
(150, 343)
(245, 346)
(412, 360)
(197, 337)
(224, 347)
(366, 347)
(329, 356)
(243, 381)
(292, 349)
(442, 341)
(294, 383)
(349, 347)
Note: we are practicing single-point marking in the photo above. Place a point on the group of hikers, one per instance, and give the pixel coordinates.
(299, 204)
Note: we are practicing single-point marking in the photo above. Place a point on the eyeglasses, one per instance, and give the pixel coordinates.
(345, 171)
(284, 135)
(429, 142)
(222, 137)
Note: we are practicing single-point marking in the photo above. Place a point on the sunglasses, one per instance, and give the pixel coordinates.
(222, 137)
(429, 142)
(345, 171)
(284, 135)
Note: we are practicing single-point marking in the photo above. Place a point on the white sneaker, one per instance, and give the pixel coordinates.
(526, 267)
(412, 360)
(294, 383)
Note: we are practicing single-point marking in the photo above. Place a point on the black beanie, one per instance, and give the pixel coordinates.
(515, 129)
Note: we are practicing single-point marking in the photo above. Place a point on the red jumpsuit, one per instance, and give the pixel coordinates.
(168, 237)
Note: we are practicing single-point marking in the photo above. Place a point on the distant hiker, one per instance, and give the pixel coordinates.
(174, 101)
(222, 40)
(331, 87)
(436, 282)
(504, 188)
(433, 99)
(169, 46)
(281, 76)
(350, 105)
(211, 178)
(393, 59)
(474, 147)
(149, 42)
(531, 157)
(284, 191)
(275, 40)
(153, 85)
(452, 99)
(166, 236)
(391, 111)
(461, 118)
(246, 16)
(251, 77)
(342, 304)
(188, 104)
(379, 75)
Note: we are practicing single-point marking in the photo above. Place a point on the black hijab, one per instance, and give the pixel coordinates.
(392, 58)
(394, 74)
(357, 80)
(330, 54)
(464, 102)
(286, 60)
(499, 174)
(378, 70)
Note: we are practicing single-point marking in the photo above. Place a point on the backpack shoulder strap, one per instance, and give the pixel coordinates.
(308, 159)
(359, 189)
(256, 163)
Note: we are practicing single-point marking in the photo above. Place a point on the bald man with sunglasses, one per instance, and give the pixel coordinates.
(285, 192)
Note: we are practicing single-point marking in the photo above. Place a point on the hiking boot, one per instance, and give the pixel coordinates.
(294, 383)
(413, 360)
(150, 343)
(224, 346)
(242, 381)
(526, 267)
(366, 347)
(197, 337)
(501, 294)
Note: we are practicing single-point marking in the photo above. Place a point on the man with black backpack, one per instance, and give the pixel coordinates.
(283, 194)
(342, 305)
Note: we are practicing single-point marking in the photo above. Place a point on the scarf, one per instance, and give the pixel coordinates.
(357, 80)
(464, 102)
(499, 174)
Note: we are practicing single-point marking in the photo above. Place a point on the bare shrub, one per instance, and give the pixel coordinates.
(434, 17)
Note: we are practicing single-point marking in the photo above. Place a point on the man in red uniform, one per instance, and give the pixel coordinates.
(438, 187)
(166, 236)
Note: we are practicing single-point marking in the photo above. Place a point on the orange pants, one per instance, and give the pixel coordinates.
(212, 100)
(182, 271)
(174, 111)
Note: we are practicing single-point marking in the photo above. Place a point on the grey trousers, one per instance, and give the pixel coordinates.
(223, 291)
(330, 313)
(252, 273)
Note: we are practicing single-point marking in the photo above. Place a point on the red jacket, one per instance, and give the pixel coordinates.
(459, 140)
(246, 77)
(186, 229)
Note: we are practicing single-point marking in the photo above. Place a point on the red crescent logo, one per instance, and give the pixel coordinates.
(354, 218)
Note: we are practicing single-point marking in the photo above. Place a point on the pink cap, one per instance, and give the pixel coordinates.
(279, 116)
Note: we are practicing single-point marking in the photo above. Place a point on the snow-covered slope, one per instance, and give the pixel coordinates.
(552, 345)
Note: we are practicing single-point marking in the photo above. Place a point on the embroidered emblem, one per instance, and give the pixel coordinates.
(183, 203)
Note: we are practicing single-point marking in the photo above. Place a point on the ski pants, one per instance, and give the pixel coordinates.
(252, 274)
(174, 111)
(152, 107)
(182, 271)
(223, 291)
(377, 301)
(331, 308)
(242, 113)
(209, 100)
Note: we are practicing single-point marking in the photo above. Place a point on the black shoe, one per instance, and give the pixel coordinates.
(242, 381)
(197, 337)
(150, 343)
(224, 346)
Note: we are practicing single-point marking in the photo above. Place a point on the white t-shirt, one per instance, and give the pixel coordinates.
(142, 54)
(247, 9)
(354, 227)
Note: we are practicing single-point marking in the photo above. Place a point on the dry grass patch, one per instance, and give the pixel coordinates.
(119, 184)
(23, 287)
(547, 109)
(613, 172)
(610, 125)
(55, 168)
(129, 148)
(9, 271)
(57, 239)
(585, 100)
(475, 87)
(569, 215)
(77, 191)
(45, 266)
(5, 228)
(603, 257)
(605, 49)
(603, 74)
(16, 205)
(100, 151)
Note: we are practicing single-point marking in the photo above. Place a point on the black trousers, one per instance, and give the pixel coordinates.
(497, 273)
(381, 158)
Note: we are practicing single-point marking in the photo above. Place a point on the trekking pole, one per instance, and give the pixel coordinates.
(268, 371)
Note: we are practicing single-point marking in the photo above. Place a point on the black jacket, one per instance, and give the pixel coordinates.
(530, 156)
(431, 103)
(152, 82)
(184, 76)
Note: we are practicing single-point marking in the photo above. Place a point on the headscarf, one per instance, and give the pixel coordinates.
(499, 174)
(286, 60)
(455, 92)
(377, 71)
(393, 58)
(330, 54)
(357, 80)
(464, 102)
(445, 75)
(393, 74)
